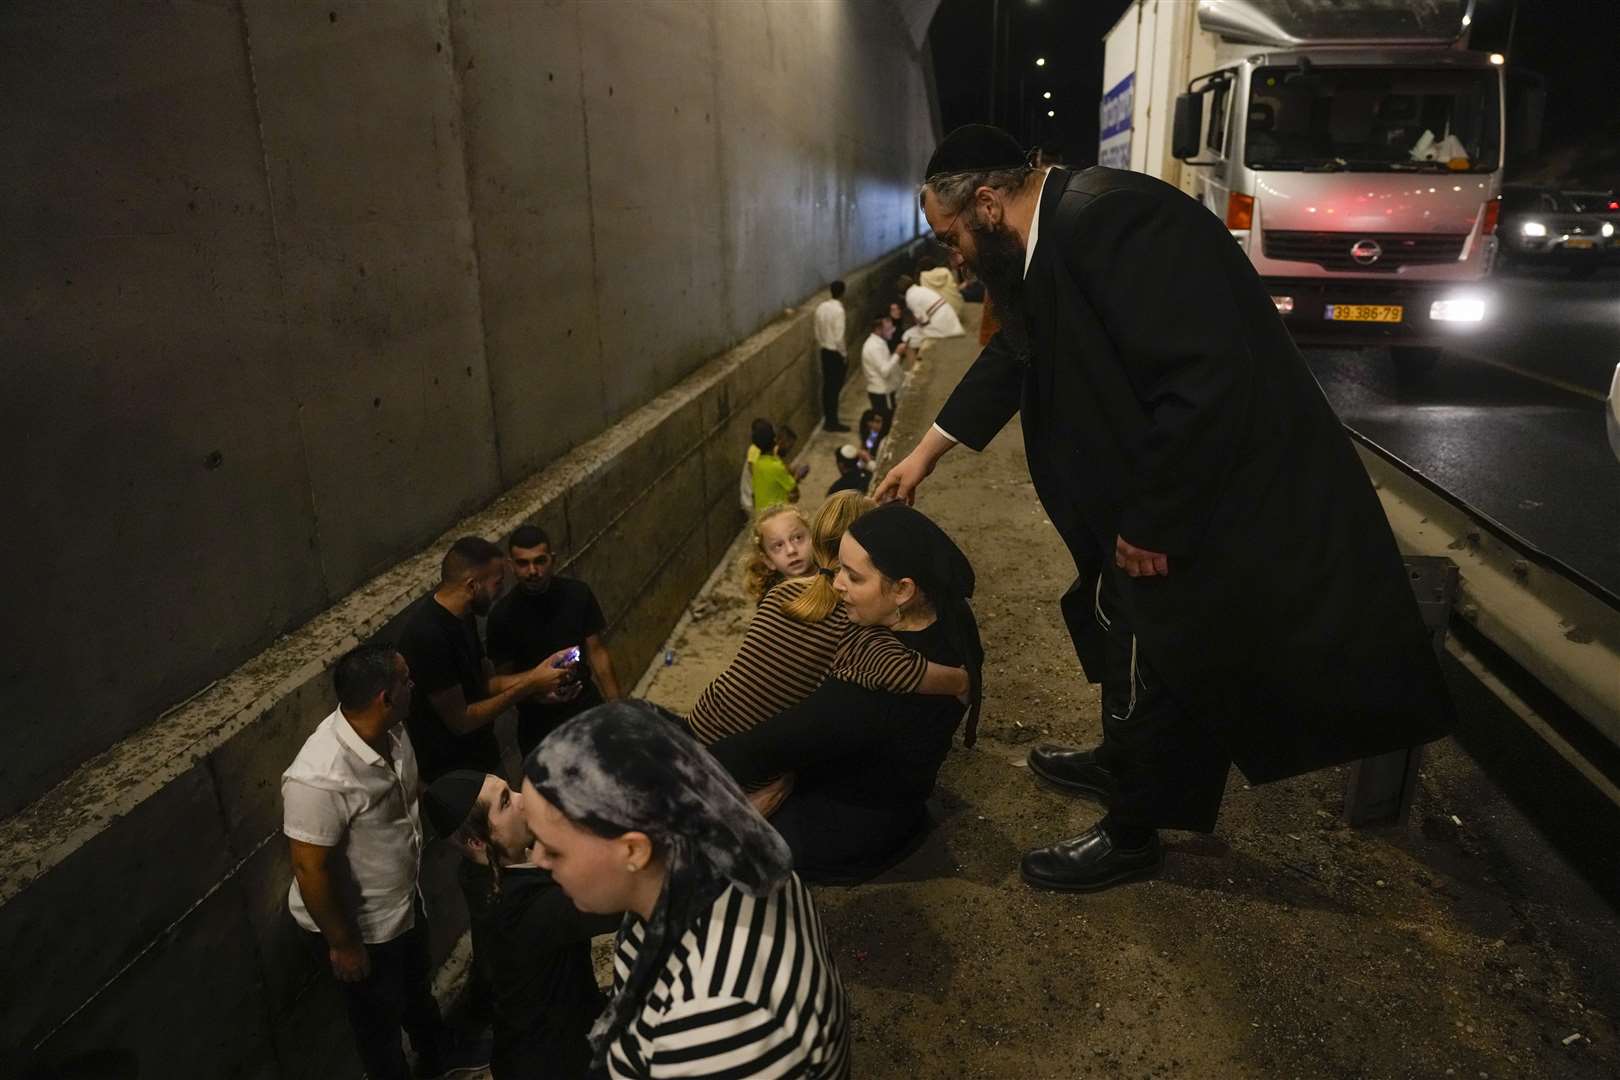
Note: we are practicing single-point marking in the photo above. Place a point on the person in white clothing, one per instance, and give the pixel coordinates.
(933, 315)
(884, 371)
(351, 820)
(829, 320)
(931, 275)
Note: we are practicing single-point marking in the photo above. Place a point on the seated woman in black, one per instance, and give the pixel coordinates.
(864, 760)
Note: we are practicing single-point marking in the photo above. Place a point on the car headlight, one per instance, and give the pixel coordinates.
(1458, 309)
(1608, 229)
(1533, 228)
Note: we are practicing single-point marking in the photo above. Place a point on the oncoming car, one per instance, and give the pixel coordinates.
(1578, 230)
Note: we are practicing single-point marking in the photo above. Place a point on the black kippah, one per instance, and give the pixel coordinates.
(450, 799)
(976, 147)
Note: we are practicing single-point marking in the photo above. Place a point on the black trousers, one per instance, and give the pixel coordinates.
(833, 370)
(1170, 768)
(396, 995)
(883, 405)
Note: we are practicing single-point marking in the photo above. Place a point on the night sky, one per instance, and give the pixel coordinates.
(1574, 44)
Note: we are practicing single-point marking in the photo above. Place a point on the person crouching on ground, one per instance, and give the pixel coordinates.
(852, 474)
(537, 944)
(781, 551)
(790, 643)
(865, 761)
(631, 815)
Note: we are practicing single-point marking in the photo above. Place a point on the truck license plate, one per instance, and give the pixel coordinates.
(1580, 243)
(1365, 312)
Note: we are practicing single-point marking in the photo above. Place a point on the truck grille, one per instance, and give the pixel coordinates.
(1331, 250)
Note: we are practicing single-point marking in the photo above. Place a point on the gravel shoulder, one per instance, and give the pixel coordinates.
(1285, 945)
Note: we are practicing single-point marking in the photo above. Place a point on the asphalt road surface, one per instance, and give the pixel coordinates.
(1510, 421)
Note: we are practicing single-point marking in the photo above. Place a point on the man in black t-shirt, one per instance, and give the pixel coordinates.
(458, 695)
(542, 615)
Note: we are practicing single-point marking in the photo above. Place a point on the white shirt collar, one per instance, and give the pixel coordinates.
(351, 739)
(1035, 223)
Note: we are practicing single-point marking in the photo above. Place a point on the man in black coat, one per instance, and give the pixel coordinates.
(1239, 594)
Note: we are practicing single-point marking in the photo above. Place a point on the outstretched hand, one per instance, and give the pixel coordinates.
(901, 481)
(1139, 562)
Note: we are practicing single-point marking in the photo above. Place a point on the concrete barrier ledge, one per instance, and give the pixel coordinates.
(154, 858)
(1558, 631)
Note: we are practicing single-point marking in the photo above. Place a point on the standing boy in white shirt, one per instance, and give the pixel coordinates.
(884, 371)
(829, 320)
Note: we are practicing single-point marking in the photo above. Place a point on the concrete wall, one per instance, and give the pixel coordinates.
(289, 288)
(292, 298)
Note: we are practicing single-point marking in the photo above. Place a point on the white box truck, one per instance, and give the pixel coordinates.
(1353, 147)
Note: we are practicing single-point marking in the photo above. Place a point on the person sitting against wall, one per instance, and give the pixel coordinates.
(790, 643)
(852, 470)
(760, 433)
(721, 967)
(536, 942)
(933, 316)
(901, 320)
(934, 274)
(774, 482)
(864, 761)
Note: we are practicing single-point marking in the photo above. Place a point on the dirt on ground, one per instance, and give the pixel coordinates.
(1286, 945)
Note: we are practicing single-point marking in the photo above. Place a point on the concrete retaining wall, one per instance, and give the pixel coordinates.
(152, 885)
(293, 296)
(290, 288)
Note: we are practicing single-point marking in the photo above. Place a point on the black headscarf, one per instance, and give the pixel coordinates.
(628, 766)
(905, 543)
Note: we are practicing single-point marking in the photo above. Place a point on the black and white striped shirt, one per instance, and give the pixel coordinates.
(750, 990)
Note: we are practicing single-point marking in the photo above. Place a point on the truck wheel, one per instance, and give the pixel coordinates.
(1414, 360)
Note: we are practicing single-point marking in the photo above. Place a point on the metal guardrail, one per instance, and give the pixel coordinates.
(1554, 622)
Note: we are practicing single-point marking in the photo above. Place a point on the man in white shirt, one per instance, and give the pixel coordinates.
(350, 815)
(933, 315)
(829, 320)
(884, 371)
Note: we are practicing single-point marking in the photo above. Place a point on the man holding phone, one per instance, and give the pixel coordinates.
(544, 615)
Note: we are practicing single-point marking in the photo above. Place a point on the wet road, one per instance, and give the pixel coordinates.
(1511, 420)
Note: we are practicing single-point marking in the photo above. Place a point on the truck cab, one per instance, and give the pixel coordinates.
(1354, 151)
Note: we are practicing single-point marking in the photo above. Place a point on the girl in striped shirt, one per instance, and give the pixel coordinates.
(797, 630)
(721, 967)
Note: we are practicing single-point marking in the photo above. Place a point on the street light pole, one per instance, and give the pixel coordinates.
(995, 35)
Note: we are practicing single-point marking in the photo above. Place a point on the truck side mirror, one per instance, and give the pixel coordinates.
(1187, 136)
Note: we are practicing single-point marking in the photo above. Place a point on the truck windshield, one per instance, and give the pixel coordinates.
(1363, 119)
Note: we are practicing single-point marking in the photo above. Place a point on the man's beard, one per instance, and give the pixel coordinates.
(535, 588)
(999, 261)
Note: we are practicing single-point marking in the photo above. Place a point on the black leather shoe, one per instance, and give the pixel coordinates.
(1090, 862)
(1074, 772)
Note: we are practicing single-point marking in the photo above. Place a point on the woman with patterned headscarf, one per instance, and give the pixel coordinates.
(720, 963)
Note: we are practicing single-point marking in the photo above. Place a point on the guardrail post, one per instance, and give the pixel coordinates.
(1379, 789)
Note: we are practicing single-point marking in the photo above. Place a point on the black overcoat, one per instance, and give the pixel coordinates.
(1163, 401)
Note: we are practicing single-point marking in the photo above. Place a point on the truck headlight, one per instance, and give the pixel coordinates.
(1458, 309)
(1533, 228)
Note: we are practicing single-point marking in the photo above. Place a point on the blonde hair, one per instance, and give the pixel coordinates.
(757, 569)
(834, 518)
